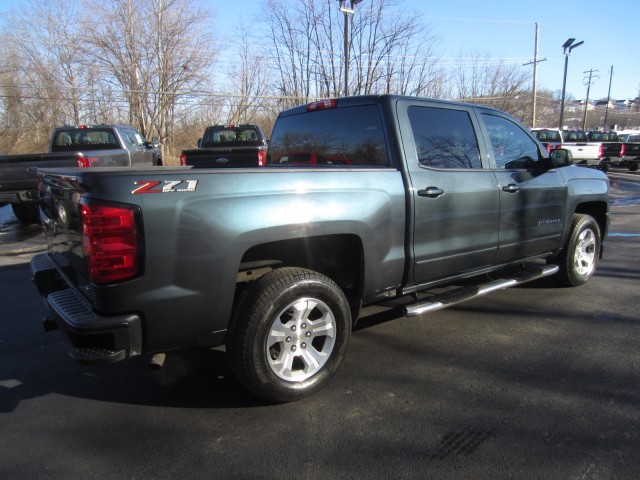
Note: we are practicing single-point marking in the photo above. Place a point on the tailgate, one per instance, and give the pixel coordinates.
(223, 157)
(14, 169)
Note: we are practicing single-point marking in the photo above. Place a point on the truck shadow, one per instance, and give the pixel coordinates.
(34, 364)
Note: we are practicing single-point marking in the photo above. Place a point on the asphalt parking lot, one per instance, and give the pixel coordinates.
(525, 383)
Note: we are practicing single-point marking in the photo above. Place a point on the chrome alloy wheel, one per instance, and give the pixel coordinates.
(584, 259)
(301, 339)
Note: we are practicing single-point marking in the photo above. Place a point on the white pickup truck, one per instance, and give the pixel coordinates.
(584, 152)
(592, 149)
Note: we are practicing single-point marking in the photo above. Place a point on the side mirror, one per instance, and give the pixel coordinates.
(561, 157)
(199, 143)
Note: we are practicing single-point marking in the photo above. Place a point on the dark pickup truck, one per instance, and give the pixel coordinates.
(630, 153)
(83, 146)
(609, 147)
(432, 201)
(228, 146)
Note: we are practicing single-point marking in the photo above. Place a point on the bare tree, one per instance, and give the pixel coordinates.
(154, 52)
(394, 53)
(248, 81)
(389, 52)
(478, 78)
(49, 80)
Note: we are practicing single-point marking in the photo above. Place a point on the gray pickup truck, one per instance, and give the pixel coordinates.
(275, 262)
(83, 146)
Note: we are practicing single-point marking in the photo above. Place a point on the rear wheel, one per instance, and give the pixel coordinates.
(26, 213)
(633, 166)
(289, 334)
(579, 257)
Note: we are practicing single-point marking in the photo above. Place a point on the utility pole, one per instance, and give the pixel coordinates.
(535, 70)
(606, 110)
(586, 102)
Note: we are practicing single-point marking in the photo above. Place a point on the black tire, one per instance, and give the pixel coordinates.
(281, 355)
(633, 166)
(26, 213)
(579, 257)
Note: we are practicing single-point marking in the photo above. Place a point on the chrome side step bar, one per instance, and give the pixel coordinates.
(459, 295)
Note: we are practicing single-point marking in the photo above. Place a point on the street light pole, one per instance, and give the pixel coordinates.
(347, 12)
(346, 54)
(567, 46)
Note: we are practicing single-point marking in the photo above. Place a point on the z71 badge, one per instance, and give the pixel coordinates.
(165, 186)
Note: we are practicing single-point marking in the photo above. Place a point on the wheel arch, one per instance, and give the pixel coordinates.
(599, 211)
(339, 257)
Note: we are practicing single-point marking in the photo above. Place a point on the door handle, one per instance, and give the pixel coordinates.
(511, 188)
(431, 192)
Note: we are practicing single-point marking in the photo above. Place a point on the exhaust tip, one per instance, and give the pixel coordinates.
(157, 361)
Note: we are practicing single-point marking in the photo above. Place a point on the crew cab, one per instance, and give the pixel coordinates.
(228, 146)
(439, 202)
(84, 146)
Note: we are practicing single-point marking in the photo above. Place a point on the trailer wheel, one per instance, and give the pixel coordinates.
(288, 334)
(579, 258)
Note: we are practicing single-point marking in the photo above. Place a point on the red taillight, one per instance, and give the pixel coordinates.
(549, 147)
(622, 150)
(109, 242)
(183, 160)
(600, 151)
(322, 105)
(262, 158)
(86, 162)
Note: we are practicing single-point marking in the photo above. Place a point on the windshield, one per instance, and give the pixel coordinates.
(548, 135)
(575, 136)
(603, 136)
(70, 140)
(230, 135)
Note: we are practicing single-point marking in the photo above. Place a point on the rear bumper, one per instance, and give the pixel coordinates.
(95, 338)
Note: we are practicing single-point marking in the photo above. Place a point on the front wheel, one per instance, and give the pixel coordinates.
(288, 334)
(579, 257)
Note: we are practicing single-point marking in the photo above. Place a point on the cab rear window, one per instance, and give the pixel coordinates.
(337, 137)
(84, 139)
